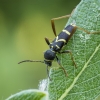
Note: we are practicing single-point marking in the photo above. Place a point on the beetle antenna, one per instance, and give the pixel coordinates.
(31, 61)
(48, 72)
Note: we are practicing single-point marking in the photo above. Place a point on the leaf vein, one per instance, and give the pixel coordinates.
(87, 80)
(84, 91)
(76, 78)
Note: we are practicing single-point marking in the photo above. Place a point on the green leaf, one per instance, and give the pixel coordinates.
(32, 94)
(83, 82)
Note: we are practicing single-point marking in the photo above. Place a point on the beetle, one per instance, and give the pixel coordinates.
(56, 45)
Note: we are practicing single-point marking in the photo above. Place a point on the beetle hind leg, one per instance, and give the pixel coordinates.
(88, 32)
(53, 24)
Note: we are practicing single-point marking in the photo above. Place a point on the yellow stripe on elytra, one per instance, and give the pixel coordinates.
(63, 40)
(72, 24)
(57, 46)
(66, 32)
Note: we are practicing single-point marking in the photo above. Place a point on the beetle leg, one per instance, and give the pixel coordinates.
(53, 19)
(68, 51)
(48, 72)
(58, 61)
(87, 31)
(53, 24)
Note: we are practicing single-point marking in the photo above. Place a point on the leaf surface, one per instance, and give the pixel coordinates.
(32, 94)
(83, 82)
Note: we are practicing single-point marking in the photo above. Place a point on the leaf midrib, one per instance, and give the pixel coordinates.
(76, 78)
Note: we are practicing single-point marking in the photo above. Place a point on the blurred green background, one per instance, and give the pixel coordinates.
(23, 26)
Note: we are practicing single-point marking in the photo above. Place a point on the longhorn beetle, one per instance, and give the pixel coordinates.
(57, 44)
